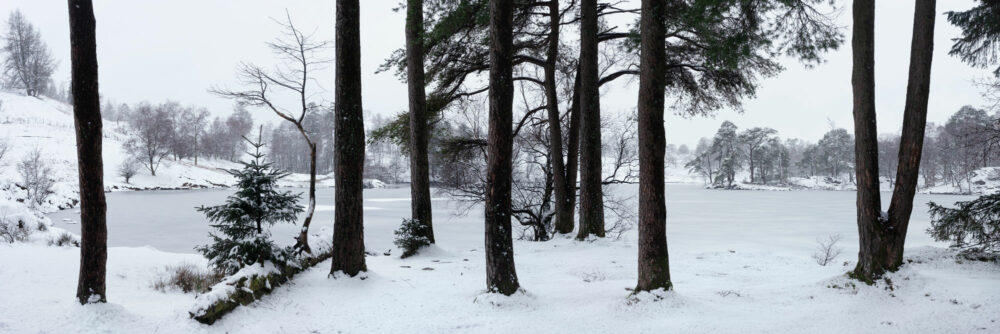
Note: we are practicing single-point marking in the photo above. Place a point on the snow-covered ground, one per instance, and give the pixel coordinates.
(741, 263)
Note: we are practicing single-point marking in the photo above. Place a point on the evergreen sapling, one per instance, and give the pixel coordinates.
(245, 217)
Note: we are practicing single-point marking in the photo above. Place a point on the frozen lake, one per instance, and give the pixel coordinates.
(167, 220)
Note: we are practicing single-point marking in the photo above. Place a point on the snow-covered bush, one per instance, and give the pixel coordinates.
(246, 216)
(972, 226)
(64, 239)
(187, 278)
(35, 176)
(411, 236)
(827, 250)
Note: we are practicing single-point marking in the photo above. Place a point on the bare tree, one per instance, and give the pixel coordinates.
(87, 113)
(151, 132)
(35, 176)
(298, 53)
(28, 64)
(128, 169)
(827, 250)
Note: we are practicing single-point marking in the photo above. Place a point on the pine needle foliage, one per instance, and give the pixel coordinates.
(243, 221)
(972, 226)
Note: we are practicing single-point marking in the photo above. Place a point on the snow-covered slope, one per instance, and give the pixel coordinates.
(29, 123)
(982, 181)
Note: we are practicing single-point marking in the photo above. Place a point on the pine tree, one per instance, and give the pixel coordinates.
(654, 262)
(348, 224)
(881, 236)
(972, 226)
(420, 184)
(501, 275)
(87, 114)
(246, 215)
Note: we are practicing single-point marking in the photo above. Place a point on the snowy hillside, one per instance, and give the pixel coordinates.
(29, 123)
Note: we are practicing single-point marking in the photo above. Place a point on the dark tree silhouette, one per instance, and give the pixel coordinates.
(500, 274)
(87, 114)
(420, 185)
(654, 264)
(881, 237)
(348, 228)
(591, 197)
(980, 42)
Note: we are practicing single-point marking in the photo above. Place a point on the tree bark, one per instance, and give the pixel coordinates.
(87, 115)
(564, 218)
(500, 273)
(420, 185)
(914, 123)
(348, 230)
(302, 242)
(882, 239)
(591, 197)
(573, 150)
(866, 142)
(654, 263)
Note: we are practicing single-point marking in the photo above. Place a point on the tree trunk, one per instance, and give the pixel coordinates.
(420, 185)
(87, 114)
(882, 239)
(866, 144)
(591, 198)
(564, 219)
(348, 230)
(196, 149)
(500, 274)
(572, 152)
(911, 143)
(654, 264)
(302, 242)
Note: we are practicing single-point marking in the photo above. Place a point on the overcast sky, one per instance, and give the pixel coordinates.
(159, 50)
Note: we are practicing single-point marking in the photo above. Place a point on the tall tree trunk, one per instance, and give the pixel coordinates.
(500, 274)
(882, 239)
(302, 242)
(573, 150)
(591, 197)
(866, 144)
(348, 229)
(420, 185)
(654, 263)
(87, 114)
(564, 218)
(911, 143)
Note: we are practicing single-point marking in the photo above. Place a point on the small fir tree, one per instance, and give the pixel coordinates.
(244, 218)
(411, 236)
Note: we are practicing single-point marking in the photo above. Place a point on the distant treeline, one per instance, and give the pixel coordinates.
(968, 141)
